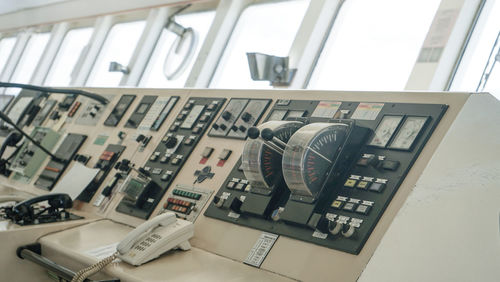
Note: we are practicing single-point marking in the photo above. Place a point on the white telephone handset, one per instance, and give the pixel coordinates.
(154, 237)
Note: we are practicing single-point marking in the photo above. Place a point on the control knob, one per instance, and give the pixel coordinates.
(170, 142)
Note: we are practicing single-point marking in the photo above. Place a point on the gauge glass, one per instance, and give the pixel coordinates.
(309, 156)
(261, 164)
(408, 132)
(385, 130)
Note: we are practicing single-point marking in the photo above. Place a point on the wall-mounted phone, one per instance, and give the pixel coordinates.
(155, 237)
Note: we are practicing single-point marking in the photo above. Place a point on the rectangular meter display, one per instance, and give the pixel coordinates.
(408, 133)
(385, 130)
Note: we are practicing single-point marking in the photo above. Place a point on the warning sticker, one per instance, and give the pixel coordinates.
(367, 111)
(326, 109)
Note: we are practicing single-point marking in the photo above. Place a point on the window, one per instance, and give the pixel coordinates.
(118, 47)
(373, 45)
(67, 56)
(6, 46)
(480, 56)
(154, 75)
(267, 28)
(29, 60)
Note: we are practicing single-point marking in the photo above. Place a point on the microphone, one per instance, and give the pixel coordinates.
(9, 121)
(94, 96)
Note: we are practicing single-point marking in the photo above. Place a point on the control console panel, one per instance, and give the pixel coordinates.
(324, 171)
(323, 168)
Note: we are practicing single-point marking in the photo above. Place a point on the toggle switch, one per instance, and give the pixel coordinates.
(223, 156)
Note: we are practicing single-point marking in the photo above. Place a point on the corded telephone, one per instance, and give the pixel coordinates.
(147, 242)
(154, 237)
(27, 212)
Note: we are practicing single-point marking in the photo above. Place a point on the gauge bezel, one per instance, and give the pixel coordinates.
(294, 176)
(255, 172)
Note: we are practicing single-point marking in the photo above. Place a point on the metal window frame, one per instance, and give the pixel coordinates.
(311, 39)
(15, 35)
(21, 41)
(304, 52)
(102, 27)
(470, 45)
(226, 17)
(20, 47)
(59, 32)
(435, 76)
(149, 42)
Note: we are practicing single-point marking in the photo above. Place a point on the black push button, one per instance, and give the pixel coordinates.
(226, 115)
(246, 117)
(390, 165)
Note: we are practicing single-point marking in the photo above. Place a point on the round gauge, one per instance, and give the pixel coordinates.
(309, 156)
(261, 164)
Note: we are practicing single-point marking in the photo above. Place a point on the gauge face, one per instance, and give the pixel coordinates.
(385, 130)
(309, 156)
(319, 157)
(261, 163)
(408, 133)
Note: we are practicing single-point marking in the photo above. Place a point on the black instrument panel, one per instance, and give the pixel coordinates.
(356, 193)
(174, 149)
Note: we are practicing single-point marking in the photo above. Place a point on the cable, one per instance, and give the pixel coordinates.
(94, 96)
(81, 275)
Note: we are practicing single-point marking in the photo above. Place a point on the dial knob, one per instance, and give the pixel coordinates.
(170, 142)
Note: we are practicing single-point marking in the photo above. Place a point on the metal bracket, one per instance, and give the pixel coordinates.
(33, 252)
(117, 67)
(270, 68)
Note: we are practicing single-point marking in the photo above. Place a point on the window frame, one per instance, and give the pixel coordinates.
(145, 55)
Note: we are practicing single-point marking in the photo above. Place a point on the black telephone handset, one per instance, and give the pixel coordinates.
(25, 211)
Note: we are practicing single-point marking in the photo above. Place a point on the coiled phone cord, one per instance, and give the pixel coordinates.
(81, 275)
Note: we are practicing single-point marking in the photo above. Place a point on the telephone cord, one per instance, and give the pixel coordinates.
(81, 275)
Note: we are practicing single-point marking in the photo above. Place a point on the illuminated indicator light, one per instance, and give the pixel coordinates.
(53, 169)
(336, 204)
(363, 184)
(350, 183)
